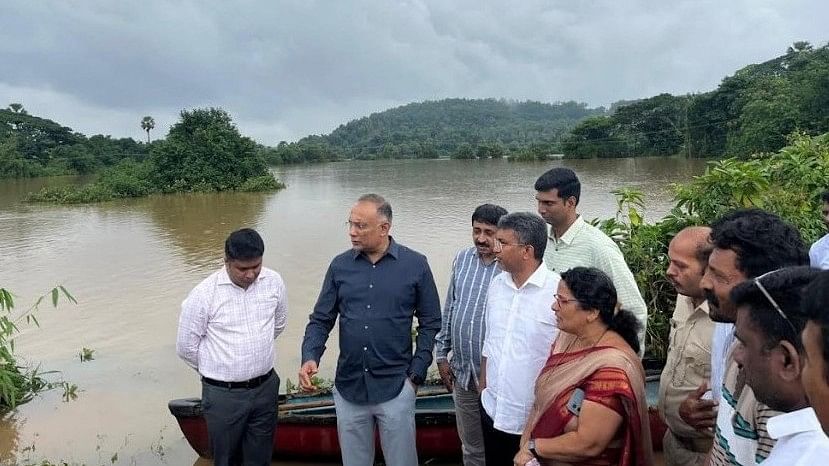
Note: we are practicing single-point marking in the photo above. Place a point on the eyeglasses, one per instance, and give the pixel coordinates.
(499, 245)
(360, 226)
(771, 300)
(564, 300)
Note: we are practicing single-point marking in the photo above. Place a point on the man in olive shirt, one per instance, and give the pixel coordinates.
(688, 365)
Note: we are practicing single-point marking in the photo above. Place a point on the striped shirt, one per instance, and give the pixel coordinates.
(226, 332)
(741, 436)
(463, 321)
(584, 245)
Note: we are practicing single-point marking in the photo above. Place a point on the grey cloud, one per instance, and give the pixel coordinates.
(289, 68)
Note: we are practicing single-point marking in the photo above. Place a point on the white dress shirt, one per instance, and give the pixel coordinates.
(722, 340)
(819, 253)
(226, 332)
(521, 328)
(800, 440)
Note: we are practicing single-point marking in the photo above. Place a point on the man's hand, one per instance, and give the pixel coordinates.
(308, 370)
(698, 413)
(446, 375)
(522, 457)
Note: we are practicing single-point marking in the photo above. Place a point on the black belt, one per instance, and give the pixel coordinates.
(252, 383)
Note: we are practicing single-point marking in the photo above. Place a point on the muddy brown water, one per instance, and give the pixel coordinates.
(130, 264)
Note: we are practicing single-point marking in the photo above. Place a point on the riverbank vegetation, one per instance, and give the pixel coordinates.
(750, 112)
(788, 182)
(20, 382)
(203, 152)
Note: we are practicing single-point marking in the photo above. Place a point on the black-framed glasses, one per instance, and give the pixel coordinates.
(771, 300)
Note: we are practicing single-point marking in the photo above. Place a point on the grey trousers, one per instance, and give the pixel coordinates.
(468, 418)
(241, 422)
(396, 423)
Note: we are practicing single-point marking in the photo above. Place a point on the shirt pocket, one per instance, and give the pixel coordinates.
(695, 366)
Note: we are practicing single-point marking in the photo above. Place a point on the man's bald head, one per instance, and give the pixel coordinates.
(688, 253)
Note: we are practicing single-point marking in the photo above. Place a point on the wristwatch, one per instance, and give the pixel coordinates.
(531, 447)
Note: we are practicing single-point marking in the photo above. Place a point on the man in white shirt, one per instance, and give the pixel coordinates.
(520, 331)
(819, 252)
(815, 338)
(576, 243)
(226, 331)
(768, 329)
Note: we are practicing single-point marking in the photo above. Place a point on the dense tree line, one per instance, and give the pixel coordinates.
(34, 146)
(751, 112)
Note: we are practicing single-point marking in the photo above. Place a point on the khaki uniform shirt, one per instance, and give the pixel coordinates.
(688, 364)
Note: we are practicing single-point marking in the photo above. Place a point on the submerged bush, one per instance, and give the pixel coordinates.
(261, 183)
(204, 152)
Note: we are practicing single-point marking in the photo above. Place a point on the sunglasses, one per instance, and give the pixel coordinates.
(771, 300)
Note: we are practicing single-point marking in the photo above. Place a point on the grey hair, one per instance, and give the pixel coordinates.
(383, 206)
(530, 229)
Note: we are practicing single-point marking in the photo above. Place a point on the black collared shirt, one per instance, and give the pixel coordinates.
(376, 304)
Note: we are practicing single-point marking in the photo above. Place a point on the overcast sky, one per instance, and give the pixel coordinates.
(285, 69)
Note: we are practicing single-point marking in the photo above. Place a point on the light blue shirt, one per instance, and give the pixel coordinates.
(463, 321)
(819, 253)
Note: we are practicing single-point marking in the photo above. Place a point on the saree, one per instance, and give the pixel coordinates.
(610, 376)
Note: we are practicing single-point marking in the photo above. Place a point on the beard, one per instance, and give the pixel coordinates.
(715, 312)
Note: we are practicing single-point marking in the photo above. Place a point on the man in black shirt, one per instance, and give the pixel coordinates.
(376, 288)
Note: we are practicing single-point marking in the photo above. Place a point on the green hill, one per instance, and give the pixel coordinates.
(450, 127)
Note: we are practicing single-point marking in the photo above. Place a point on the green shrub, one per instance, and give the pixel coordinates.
(18, 383)
(787, 182)
(261, 183)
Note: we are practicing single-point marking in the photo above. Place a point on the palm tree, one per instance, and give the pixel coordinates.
(18, 108)
(147, 123)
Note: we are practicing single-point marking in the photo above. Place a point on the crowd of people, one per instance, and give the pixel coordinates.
(539, 340)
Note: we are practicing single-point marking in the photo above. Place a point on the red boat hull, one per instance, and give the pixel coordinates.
(307, 427)
(308, 430)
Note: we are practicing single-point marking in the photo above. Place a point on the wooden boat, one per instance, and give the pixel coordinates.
(307, 426)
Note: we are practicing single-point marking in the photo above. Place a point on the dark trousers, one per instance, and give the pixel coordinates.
(241, 422)
(500, 448)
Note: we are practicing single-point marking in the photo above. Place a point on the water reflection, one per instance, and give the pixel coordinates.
(197, 224)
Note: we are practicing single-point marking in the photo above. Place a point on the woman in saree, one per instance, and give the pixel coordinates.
(590, 406)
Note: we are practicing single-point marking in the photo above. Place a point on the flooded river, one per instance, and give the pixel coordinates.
(130, 264)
